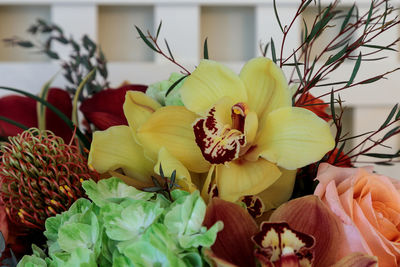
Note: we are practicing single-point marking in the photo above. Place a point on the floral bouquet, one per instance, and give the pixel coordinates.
(207, 168)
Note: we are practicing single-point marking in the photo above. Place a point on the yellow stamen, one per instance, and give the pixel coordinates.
(51, 209)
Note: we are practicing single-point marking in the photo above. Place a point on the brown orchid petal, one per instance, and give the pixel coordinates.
(234, 242)
(214, 261)
(310, 215)
(357, 260)
(280, 245)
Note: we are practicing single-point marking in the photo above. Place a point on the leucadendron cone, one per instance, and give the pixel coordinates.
(310, 216)
(233, 246)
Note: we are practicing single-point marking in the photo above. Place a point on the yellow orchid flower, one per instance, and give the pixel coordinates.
(247, 127)
(155, 136)
(241, 129)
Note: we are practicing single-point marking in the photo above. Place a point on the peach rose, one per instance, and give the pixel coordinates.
(368, 205)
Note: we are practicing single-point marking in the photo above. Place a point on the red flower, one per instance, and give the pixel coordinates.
(341, 161)
(23, 109)
(104, 109)
(316, 105)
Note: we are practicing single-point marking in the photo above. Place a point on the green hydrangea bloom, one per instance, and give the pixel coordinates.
(126, 227)
(158, 90)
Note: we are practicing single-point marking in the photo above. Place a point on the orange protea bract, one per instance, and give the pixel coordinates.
(40, 176)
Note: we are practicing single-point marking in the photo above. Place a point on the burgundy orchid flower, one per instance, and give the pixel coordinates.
(233, 246)
(23, 109)
(104, 109)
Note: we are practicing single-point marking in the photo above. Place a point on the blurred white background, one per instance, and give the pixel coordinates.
(234, 28)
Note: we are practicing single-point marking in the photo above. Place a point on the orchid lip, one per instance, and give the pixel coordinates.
(221, 143)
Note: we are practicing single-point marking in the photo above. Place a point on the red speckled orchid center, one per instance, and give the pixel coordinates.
(221, 142)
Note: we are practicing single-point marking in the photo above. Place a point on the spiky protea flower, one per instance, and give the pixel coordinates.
(40, 176)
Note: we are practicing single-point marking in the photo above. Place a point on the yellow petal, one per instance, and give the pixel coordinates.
(223, 109)
(115, 148)
(208, 83)
(169, 164)
(250, 126)
(205, 191)
(138, 107)
(266, 85)
(171, 127)
(293, 138)
(240, 178)
(280, 191)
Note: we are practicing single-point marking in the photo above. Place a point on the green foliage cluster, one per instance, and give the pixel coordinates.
(122, 226)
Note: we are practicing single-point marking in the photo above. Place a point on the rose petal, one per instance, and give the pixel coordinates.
(61, 100)
(108, 101)
(103, 120)
(20, 109)
(23, 110)
(233, 243)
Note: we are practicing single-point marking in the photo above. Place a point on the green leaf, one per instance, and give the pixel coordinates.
(398, 115)
(347, 18)
(145, 40)
(265, 51)
(169, 50)
(390, 116)
(78, 93)
(392, 132)
(332, 106)
(382, 156)
(371, 9)
(158, 29)
(355, 70)
(371, 80)
(25, 44)
(15, 123)
(379, 47)
(273, 50)
(61, 115)
(205, 49)
(339, 152)
(305, 5)
(175, 84)
(51, 54)
(336, 57)
(41, 108)
(298, 69)
(314, 81)
(112, 190)
(277, 17)
(320, 25)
